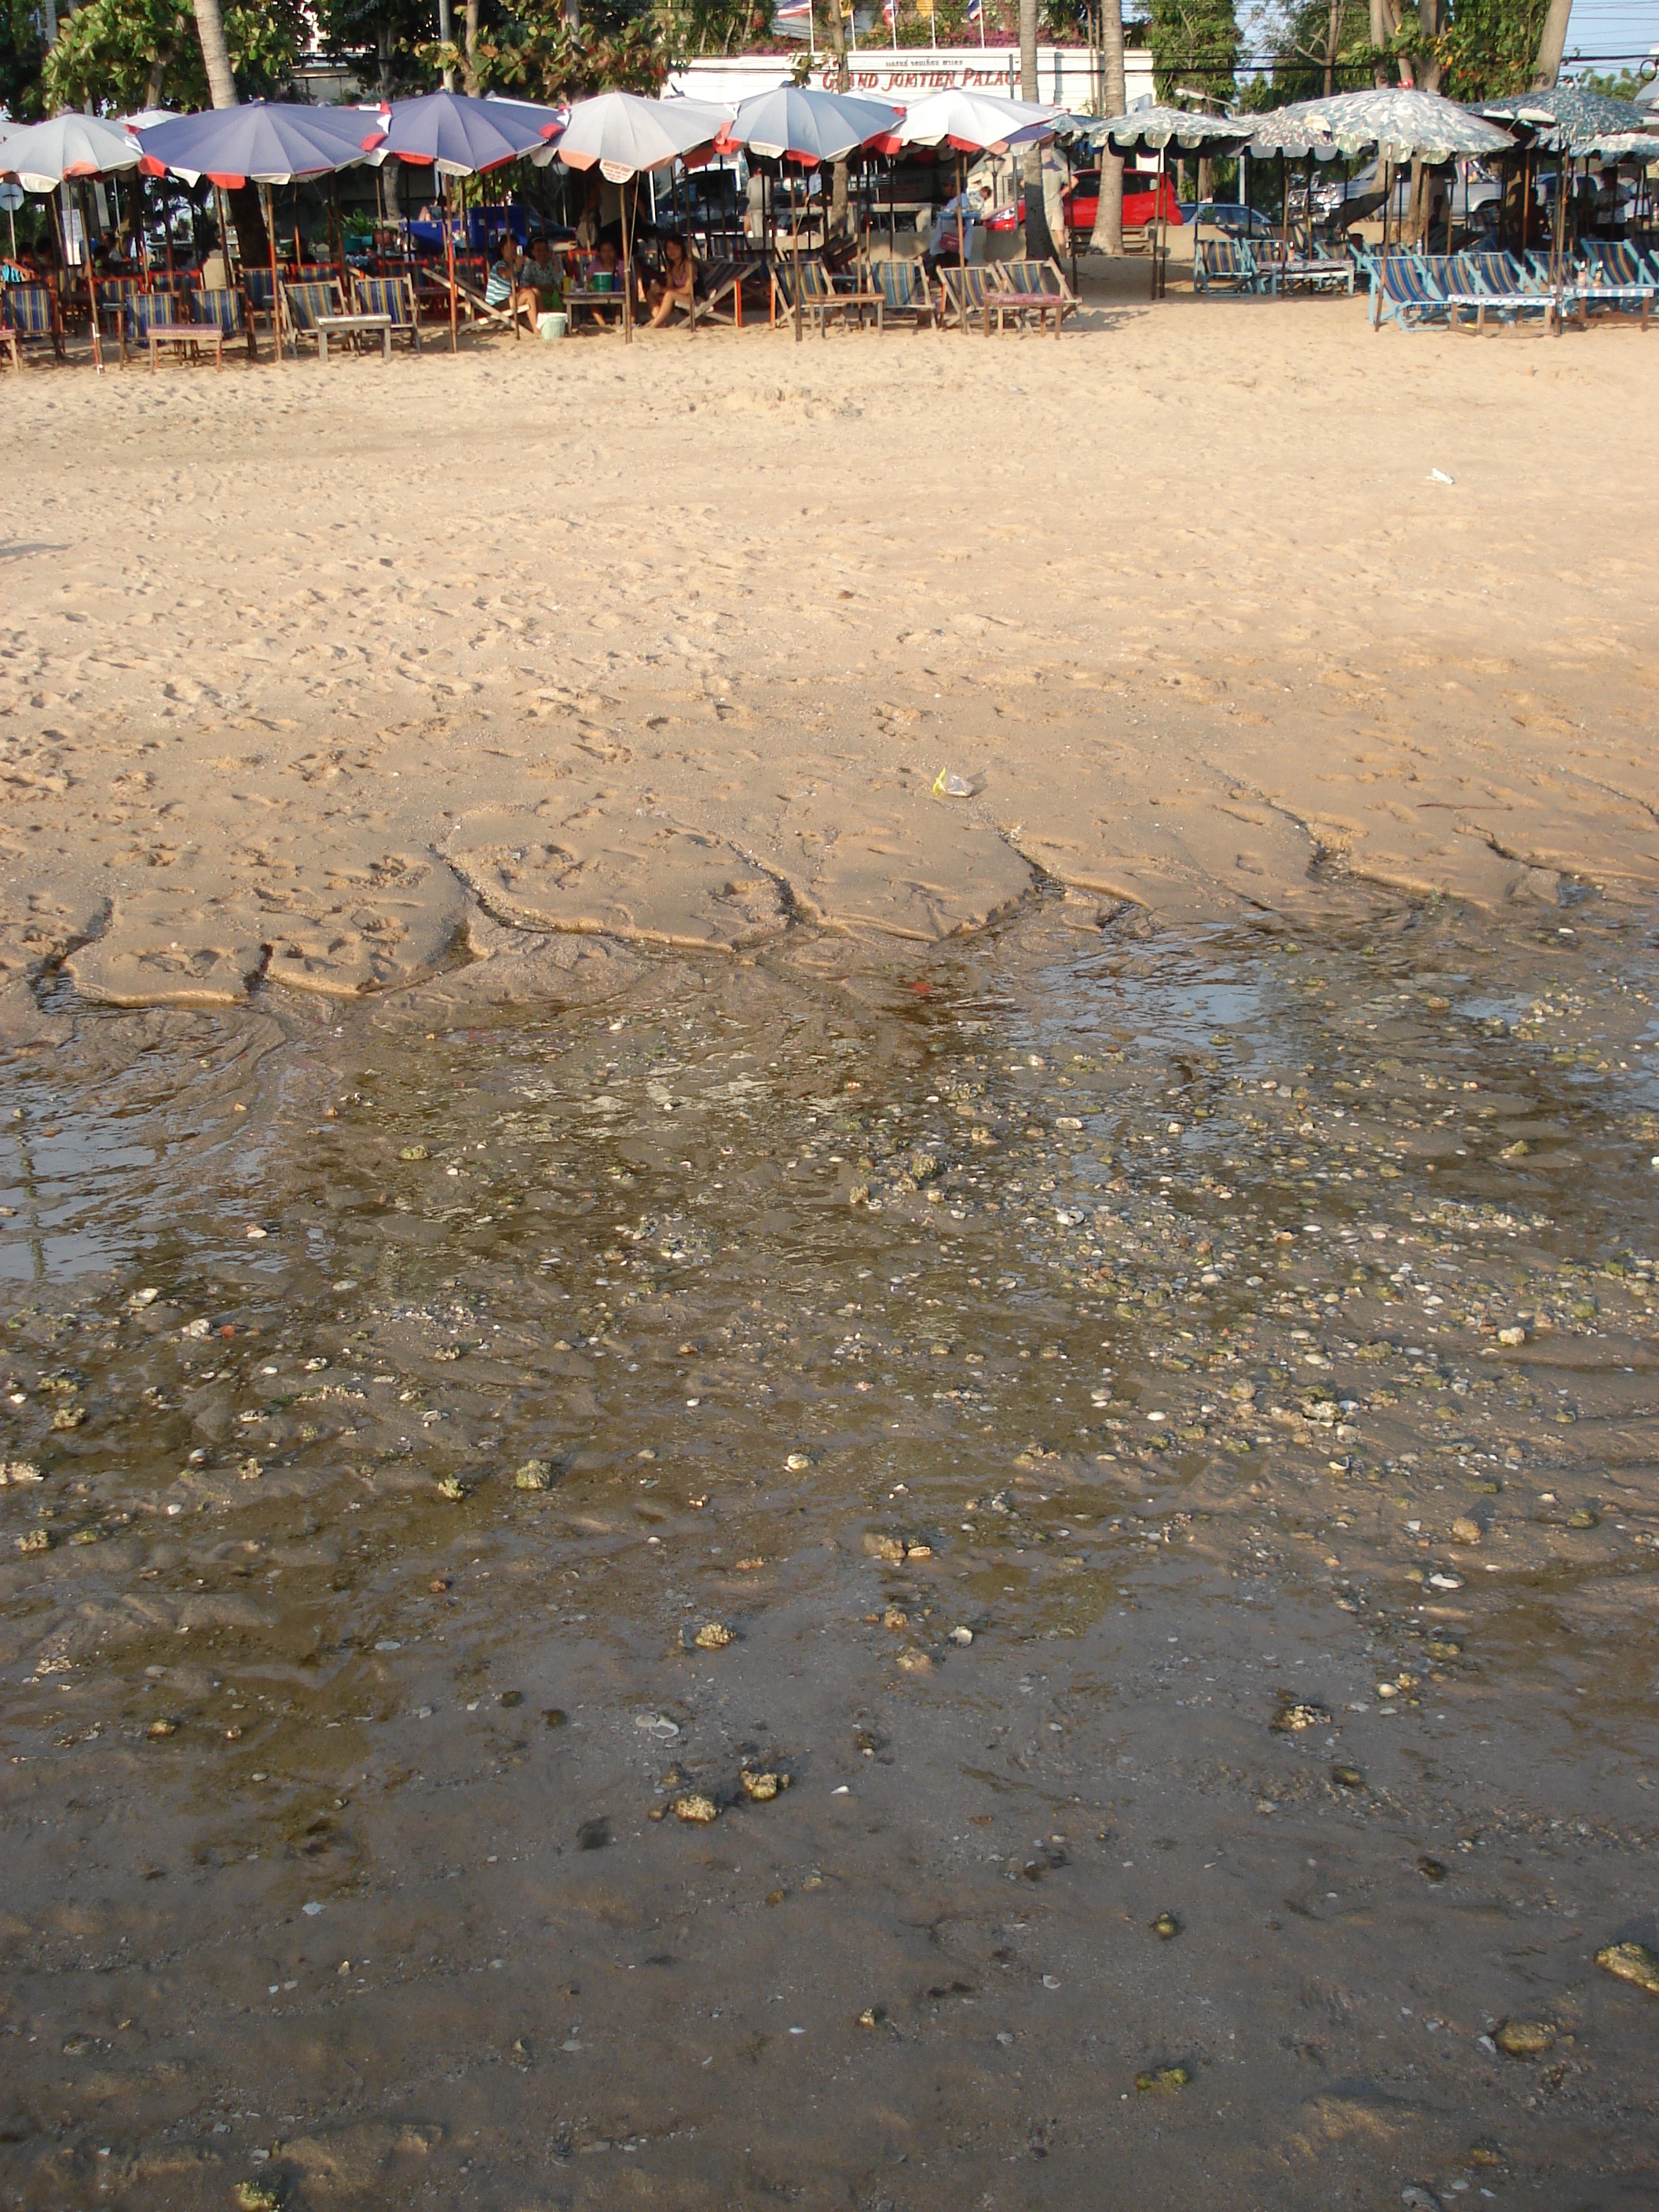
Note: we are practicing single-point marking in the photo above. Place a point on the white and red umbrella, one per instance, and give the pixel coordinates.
(622, 136)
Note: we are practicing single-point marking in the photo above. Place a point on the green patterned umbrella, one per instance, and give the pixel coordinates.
(1151, 130)
(1396, 122)
(1573, 119)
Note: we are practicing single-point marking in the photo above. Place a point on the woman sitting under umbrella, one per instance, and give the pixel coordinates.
(677, 286)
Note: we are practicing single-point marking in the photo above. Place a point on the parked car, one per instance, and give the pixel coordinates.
(1236, 219)
(1081, 200)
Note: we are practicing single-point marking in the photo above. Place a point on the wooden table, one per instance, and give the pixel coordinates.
(194, 336)
(1040, 304)
(352, 326)
(578, 297)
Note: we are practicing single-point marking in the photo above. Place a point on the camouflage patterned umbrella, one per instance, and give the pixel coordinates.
(1396, 122)
(1572, 118)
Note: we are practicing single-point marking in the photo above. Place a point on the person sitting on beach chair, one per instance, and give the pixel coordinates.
(541, 273)
(677, 287)
(508, 287)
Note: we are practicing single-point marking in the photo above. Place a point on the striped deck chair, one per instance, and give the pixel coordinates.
(113, 292)
(228, 310)
(1224, 266)
(961, 293)
(903, 286)
(722, 284)
(1043, 281)
(819, 298)
(31, 315)
(1406, 292)
(393, 296)
(303, 303)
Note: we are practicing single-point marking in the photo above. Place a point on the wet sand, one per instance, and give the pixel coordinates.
(1073, 1365)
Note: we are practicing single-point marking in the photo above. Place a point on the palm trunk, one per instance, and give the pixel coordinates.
(1039, 245)
(837, 222)
(1551, 41)
(216, 57)
(1109, 210)
(469, 66)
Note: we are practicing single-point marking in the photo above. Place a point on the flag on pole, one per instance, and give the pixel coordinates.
(794, 18)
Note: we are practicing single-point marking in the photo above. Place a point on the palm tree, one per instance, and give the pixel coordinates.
(1108, 208)
(1039, 245)
(216, 55)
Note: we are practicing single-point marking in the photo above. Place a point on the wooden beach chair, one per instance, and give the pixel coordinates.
(722, 285)
(394, 298)
(1027, 291)
(819, 299)
(1224, 266)
(961, 293)
(33, 316)
(315, 310)
(226, 310)
(1317, 273)
(904, 288)
(114, 293)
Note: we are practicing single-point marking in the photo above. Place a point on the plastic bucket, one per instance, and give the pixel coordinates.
(549, 327)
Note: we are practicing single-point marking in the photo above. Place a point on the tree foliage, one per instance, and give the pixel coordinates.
(380, 39)
(1196, 44)
(124, 54)
(21, 57)
(534, 52)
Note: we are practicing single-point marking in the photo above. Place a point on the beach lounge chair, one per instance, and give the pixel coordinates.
(1224, 266)
(961, 293)
(9, 342)
(394, 297)
(163, 319)
(31, 315)
(819, 299)
(1419, 288)
(721, 284)
(226, 310)
(114, 293)
(302, 304)
(1028, 290)
(904, 288)
(1282, 270)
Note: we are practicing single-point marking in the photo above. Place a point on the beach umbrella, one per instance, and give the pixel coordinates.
(1154, 130)
(1397, 122)
(621, 135)
(973, 123)
(798, 122)
(66, 148)
(43, 155)
(264, 143)
(1569, 116)
(459, 136)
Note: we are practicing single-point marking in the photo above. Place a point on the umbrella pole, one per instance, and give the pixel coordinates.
(961, 249)
(794, 248)
(449, 263)
(84, 198)
(275, 296)
(627, 272)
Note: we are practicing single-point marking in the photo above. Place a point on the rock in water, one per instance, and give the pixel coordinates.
(699, 1811)
(1291, 1719)
(1162, 2081)
(1632, 1962)
(1524, 2038)
(713, 1636)
(534, 1474)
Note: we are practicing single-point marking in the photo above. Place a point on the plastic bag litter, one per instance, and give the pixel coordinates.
(948, 785)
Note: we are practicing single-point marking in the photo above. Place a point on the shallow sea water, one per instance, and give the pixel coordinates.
(1163, 1428)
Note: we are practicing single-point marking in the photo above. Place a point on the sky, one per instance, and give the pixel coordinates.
(1625, 28)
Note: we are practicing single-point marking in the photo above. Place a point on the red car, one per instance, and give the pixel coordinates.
(1081, 198)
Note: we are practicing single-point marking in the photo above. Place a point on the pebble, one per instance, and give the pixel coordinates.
(162, 1727)
(1632, 1962)
(763, 1788)
(413, 1152)
(895, 1617)
(1465, 1529)
(1442, 1646)
(963, 1636)
(534, 1474)
(1431, 1869)
(254, 1234)
(916, 1662)
(36, 1539)
(1166, 1925)
(1524, 2038)
(1582, 1517)
(450, 1486)
(1291, 1718)
(797, 1462)
(713, 1636)
(873, 2015)
(1162, 2081)
(259, 2196)
(699, 1811)
(1420, 2199)
(19, 1470)
(1511, 1336)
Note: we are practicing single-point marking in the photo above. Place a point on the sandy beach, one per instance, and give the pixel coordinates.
(305, 671)
(726, 1481)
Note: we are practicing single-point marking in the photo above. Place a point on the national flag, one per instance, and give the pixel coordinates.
(976, 10)
(795, 15)
(889, 12)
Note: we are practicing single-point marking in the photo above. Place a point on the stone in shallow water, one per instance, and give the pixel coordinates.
(713, 1636)
(1632, 1962)
(534, 1474)
(1162, 2081)
(1524, 2038)
(696, 1809)
(1291, 1719)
